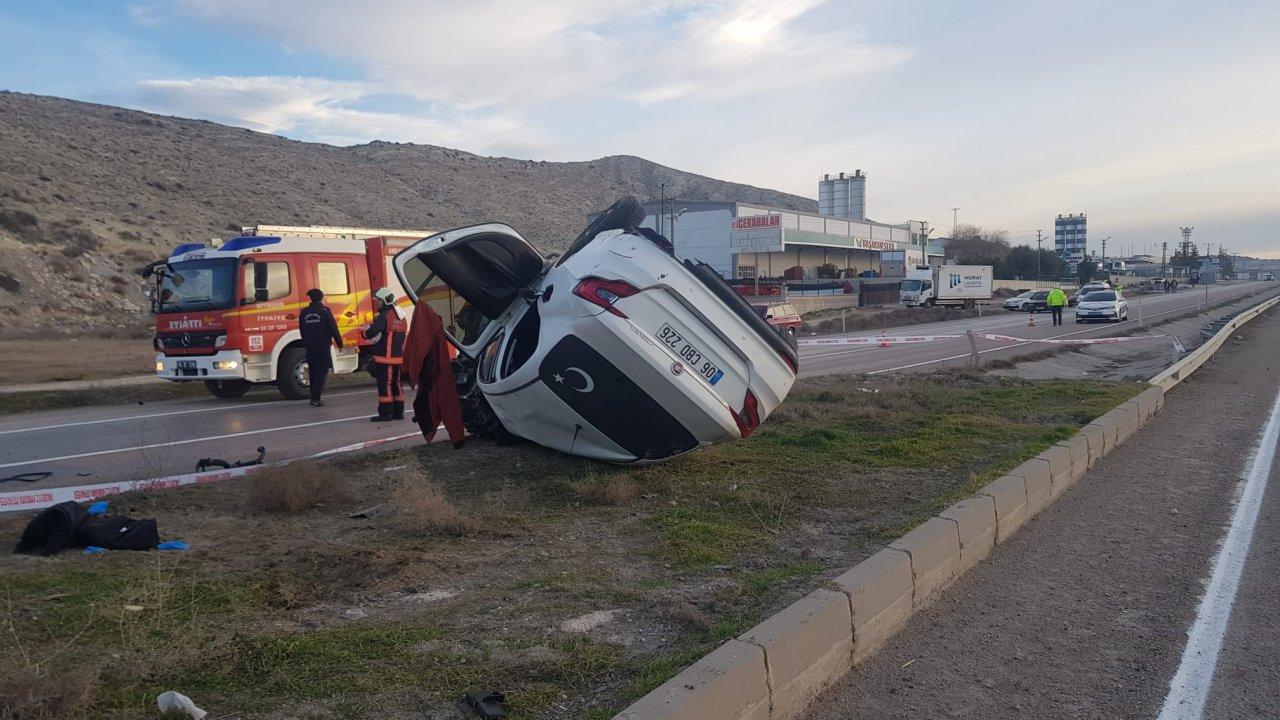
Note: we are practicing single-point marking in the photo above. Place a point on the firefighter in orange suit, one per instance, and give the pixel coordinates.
(387, 333)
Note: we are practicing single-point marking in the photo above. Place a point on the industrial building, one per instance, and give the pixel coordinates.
(1070, 238)
(749, 240)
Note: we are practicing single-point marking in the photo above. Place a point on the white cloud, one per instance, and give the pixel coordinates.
(520, 54)
(320, 109)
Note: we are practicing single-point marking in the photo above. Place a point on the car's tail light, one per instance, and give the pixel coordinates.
(604, 293)
(748, 418)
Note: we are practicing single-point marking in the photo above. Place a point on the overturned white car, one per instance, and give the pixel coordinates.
(616, 350)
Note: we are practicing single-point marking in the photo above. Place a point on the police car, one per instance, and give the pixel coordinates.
(615, 350)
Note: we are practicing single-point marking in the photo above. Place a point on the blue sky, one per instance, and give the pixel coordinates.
(1147, 115)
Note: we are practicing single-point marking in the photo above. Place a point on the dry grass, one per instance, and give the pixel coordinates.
(29, 693)
(297, 487)
(87, 358)
(616, 490)
(423, 506)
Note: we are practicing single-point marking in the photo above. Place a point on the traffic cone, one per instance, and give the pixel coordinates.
(883, 343)
(1031, 319)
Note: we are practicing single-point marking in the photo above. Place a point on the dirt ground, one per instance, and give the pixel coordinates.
(825, 322)
(572, 586)
(35, 360)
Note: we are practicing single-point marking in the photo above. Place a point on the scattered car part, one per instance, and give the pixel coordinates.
(206, 463)
(487, 705)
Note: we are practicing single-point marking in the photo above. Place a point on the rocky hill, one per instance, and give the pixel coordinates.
(88, 193)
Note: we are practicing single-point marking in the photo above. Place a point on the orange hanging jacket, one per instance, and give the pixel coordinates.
(428, 370)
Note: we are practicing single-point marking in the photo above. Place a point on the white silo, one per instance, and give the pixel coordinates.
(844, 196)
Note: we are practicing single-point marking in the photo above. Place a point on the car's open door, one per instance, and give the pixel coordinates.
(469, 276)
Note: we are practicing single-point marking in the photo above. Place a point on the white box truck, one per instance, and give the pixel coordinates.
(954, 285)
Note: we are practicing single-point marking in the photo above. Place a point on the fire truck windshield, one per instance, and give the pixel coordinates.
(194, 285)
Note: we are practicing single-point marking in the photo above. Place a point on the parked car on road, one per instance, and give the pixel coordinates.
(1016, 302)
(1102, 305)
(617, 350)
(1038, 301)
(782, 316)
(1085, 289)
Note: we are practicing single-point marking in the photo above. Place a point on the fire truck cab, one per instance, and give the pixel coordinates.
(227, 313)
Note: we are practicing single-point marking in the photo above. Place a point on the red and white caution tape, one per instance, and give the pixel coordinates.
(876, 340)
(36, 499)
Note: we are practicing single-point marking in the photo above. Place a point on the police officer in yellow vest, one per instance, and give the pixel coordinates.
(387, 333)
(1056, 301)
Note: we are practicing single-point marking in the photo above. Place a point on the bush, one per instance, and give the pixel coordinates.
(423, 506)
(297, 487)
(618, 490)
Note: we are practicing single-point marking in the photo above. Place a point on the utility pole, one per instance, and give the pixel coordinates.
(1039, 239)
(662, 205)
(955, 221)
(1164, 254)
(1186, 247)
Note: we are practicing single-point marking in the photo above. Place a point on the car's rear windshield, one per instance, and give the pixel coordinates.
(1100, 296)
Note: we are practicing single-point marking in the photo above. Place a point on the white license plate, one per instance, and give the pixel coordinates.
(186, 364)
(689, 355)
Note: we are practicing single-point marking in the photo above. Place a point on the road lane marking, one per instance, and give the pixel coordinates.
(181, 442)
(224, 408)
(1190, 686)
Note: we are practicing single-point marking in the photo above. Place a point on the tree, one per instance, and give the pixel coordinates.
(1187, 259)
(1086, 271)
(973, 245)
(1021, 264)
(1226, 265)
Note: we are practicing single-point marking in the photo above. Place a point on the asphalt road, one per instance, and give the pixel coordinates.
(1146, 591)
(83, 446)
(896, 358)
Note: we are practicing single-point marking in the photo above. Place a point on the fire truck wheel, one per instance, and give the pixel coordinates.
(227, 388)
(293, 378)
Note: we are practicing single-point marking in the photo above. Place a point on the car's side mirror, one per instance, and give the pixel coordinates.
(260, 294)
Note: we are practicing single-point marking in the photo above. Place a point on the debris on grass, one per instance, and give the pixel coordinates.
(588, 622)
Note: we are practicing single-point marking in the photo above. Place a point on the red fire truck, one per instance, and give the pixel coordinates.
(227, 313)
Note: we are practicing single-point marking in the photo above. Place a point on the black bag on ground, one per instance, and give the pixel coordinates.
(51, 531)
(118, 533)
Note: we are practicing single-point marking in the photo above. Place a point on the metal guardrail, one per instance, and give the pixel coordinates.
(1182, 369)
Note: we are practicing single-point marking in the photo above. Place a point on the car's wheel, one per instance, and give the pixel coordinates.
(478, 416)
(1079, 321)
(227, 388)
(293, 376)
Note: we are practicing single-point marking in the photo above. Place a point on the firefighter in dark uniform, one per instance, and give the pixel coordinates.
(319, 330)
(387, 333)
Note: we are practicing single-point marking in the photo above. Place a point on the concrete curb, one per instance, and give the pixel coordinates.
(774, 670)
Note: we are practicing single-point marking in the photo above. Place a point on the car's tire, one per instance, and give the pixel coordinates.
(478, 416)
(293, 377)
(227, 388)
(1079, 321)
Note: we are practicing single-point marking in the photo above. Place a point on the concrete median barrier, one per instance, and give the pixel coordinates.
(1009, 494)
(879, 590)
(728, 684)
(1110, 435)
(1036, 478)
(975, 519)
(1128, 420)
(1078, 446)
(1095, 437)
(807, 647)
(934, 547)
